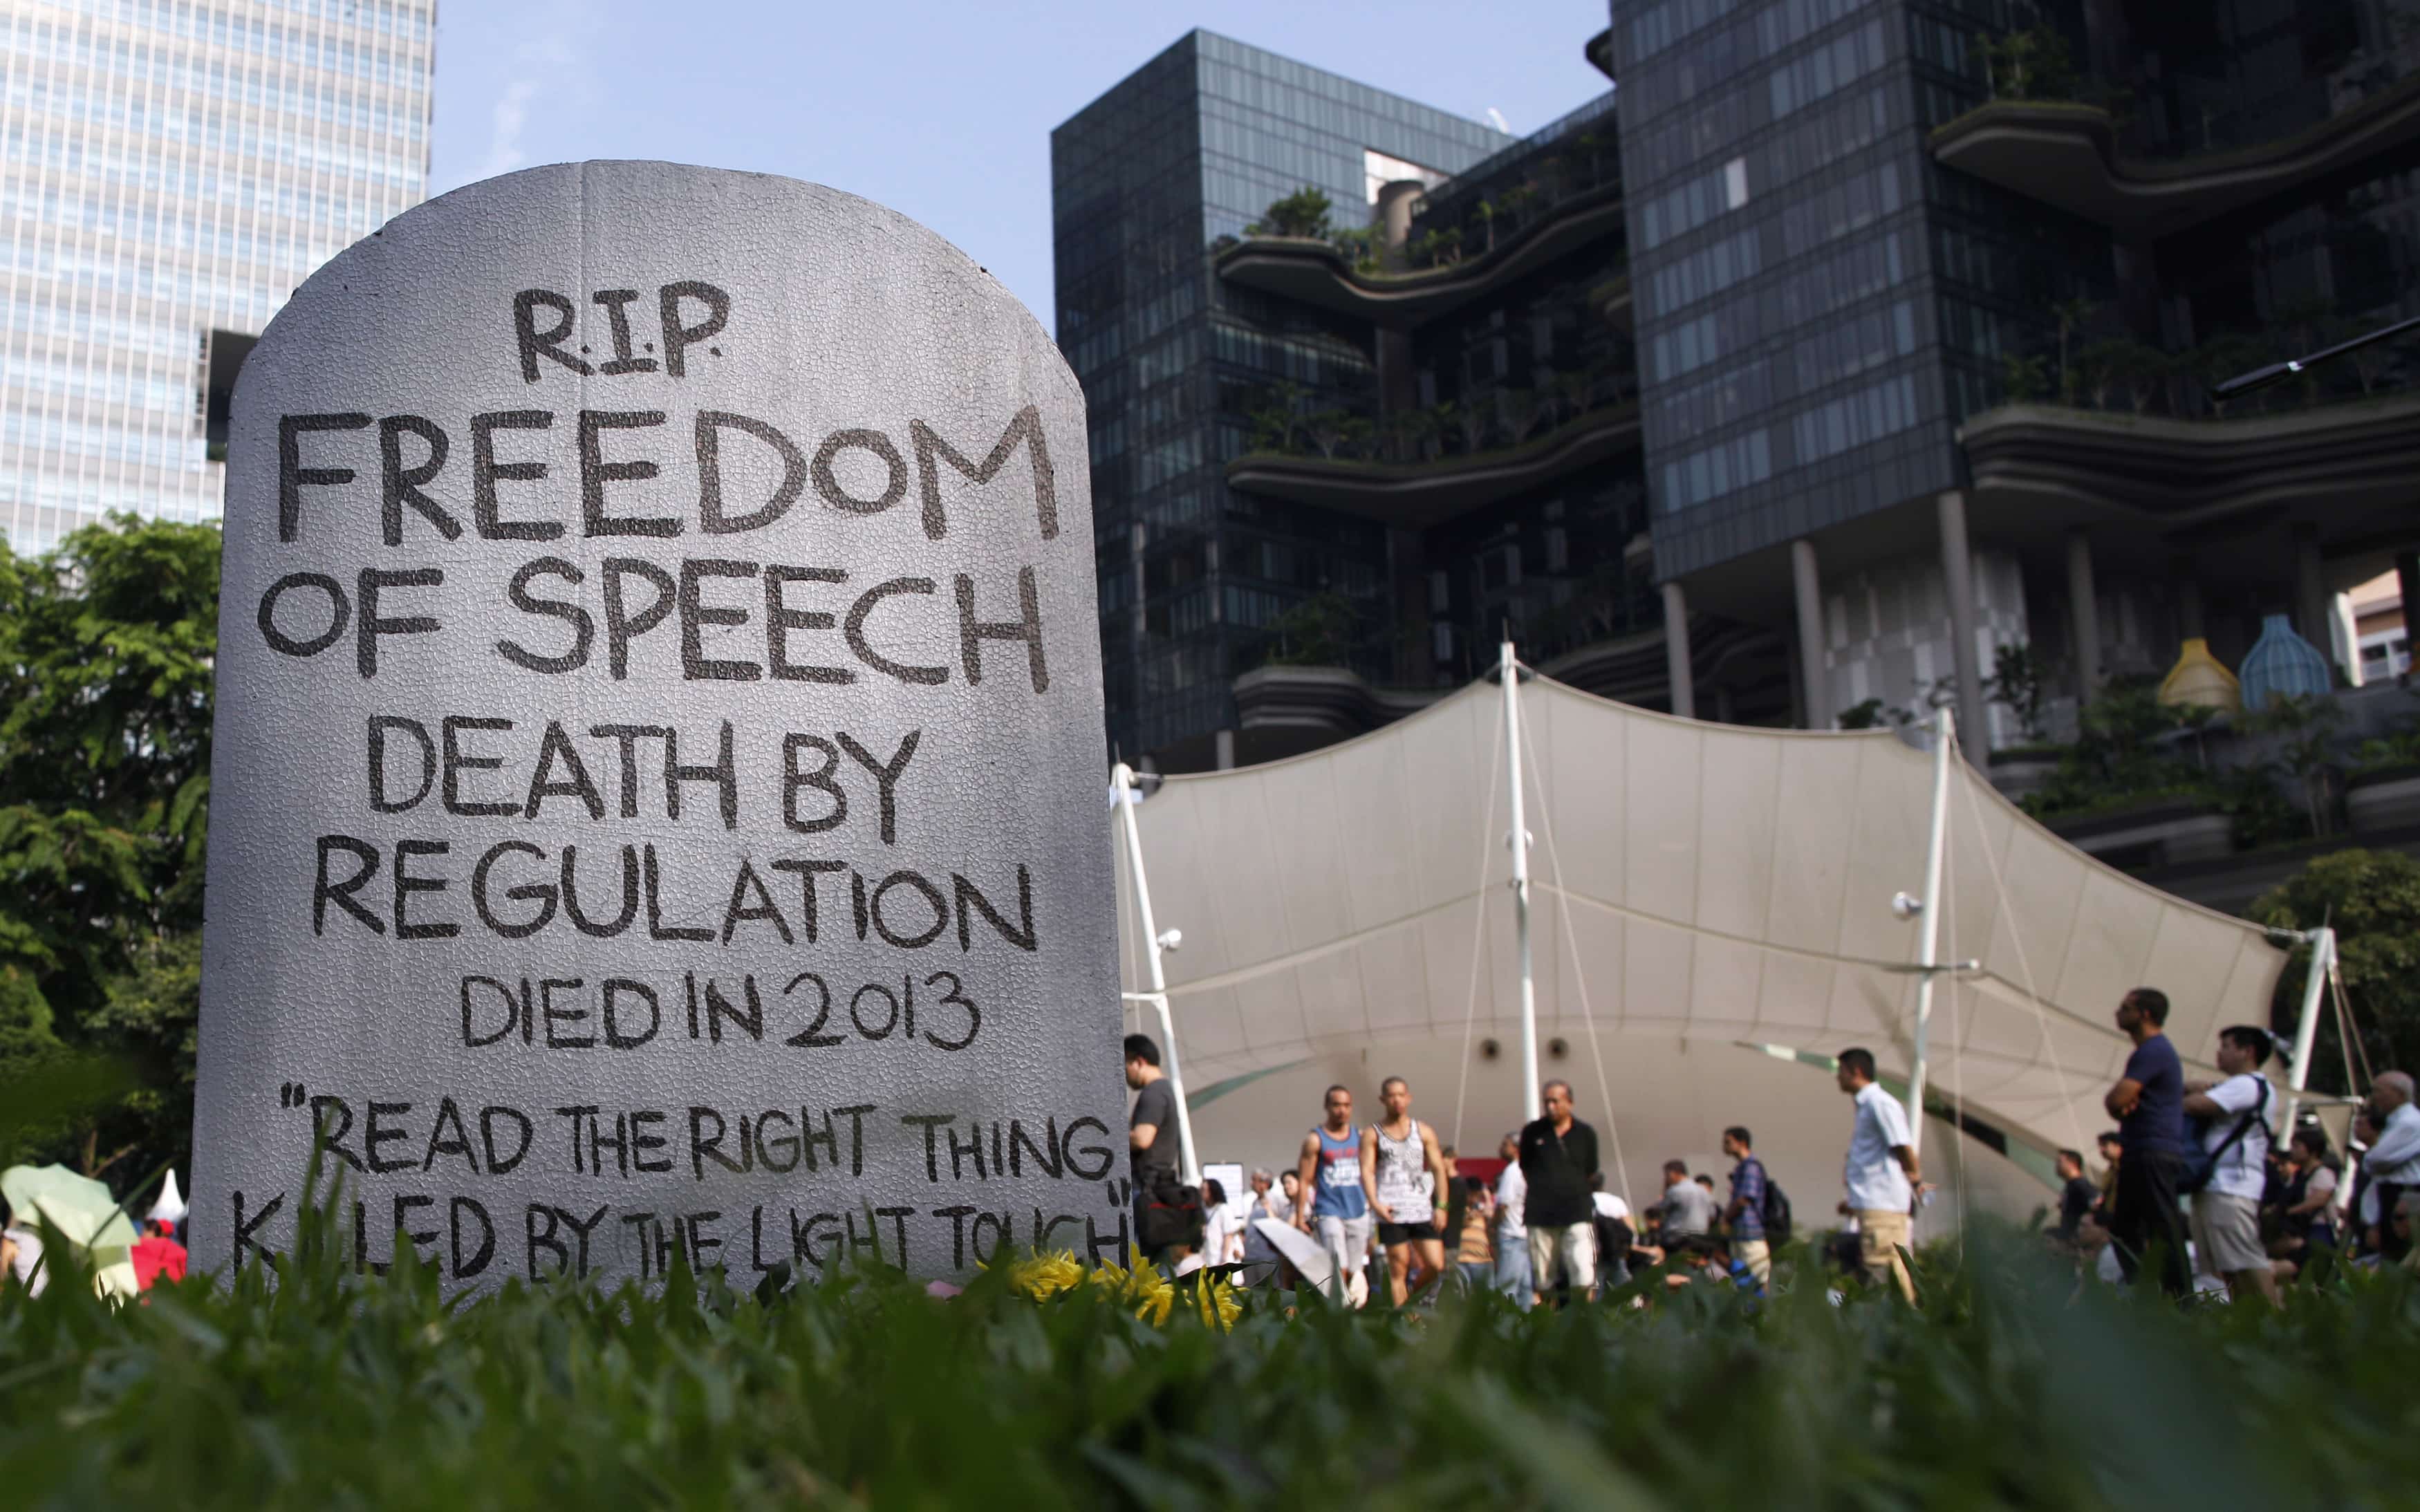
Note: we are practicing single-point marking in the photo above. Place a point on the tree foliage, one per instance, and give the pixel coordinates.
(2372, 899)
(106, 647)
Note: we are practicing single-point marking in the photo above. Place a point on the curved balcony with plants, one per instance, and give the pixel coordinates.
(1426, 464)
(2048, 131)
(2107, 413)
(1467, 239)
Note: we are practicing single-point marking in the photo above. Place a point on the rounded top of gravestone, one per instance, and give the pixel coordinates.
(891, 286)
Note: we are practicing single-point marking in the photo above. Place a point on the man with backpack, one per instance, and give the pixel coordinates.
(2226, 1182)
(1166, 1213)
(1758, 1214)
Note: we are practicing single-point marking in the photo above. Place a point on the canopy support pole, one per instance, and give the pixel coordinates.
(2324, 960)
(1122, 785)
(1519, 841)
(1927, 958)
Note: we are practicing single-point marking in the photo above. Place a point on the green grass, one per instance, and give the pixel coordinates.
(344, 1391)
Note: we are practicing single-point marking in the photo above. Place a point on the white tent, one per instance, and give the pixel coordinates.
(1706, 899)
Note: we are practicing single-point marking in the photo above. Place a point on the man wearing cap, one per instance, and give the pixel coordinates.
(156, 1253)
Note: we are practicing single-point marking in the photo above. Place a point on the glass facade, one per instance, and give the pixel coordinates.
(169, 171)
(1191, 148)
(1819, 304)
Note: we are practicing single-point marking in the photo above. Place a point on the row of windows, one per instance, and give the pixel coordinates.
(1683, 209)
(1687, 347)
(95, 221)
(35, 432)
(77, 377)
(1812, 293)
(1850, 206)
(1856, 419)
(1659, 26)
(306, 150)
(1315, 364)
(1848, 347)
(1733, 395)
(104, 100)
(273, 40)
(1793, 22)
(141, 278)
(143, 63)
(38, 319)
(105, 174)
(1834, 66)
(1706, 272)
(1716, 470)
(1722, 54)
(1828, 135)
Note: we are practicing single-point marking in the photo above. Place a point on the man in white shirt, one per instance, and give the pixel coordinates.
(2394, 1159)
(1512, 1276)
(1883, 1174)
(2227, 1210)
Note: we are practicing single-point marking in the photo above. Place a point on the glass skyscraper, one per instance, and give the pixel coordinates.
(171, 170)
(1193, 146)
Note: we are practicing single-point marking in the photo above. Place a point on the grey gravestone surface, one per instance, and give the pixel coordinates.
(658, 801)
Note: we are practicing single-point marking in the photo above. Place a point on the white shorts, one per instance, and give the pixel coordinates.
(2226, 1234)
(1346, 1240)
(1563, 1254)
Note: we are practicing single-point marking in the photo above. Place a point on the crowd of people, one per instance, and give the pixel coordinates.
(2196, 1191)
(2192, 1181)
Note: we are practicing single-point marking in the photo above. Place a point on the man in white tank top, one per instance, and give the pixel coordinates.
(1404, 1175)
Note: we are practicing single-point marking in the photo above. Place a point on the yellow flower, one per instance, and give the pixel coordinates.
(1044, 1276)
(1216, 1302)
(1148, 1292)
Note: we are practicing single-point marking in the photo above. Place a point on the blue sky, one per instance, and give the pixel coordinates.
(940, 110)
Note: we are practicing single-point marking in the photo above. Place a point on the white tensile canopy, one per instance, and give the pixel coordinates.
(1705, 901)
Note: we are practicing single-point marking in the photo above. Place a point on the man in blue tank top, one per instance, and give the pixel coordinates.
(1338, 1213)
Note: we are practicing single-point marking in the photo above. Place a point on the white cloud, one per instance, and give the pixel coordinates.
(542, 60)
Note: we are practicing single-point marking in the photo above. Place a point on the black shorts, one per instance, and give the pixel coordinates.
(1391, 1235)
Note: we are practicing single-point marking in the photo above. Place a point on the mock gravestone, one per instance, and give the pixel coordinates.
(658, 810)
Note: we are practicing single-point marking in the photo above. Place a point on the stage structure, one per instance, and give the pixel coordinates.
(1692, 917)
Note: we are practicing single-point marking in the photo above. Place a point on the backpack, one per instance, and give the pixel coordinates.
(1776, 1212)
(1171, 1213)
(2201, 1164)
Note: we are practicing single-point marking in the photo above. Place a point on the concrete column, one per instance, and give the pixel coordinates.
(2310, 592)
(1224, 743)
(2084, 607)
(1676, 651)
(1395, 200)
(1810, 594)
(1958, 576)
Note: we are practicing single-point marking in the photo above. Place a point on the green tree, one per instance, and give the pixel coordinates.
(2020, 680)
(1302, 213)
(2372, 899)
(2023, 378)
(105, 654)
(1313, 632)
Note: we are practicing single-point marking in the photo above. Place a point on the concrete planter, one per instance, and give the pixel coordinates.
(2383, 800)
(2162, 833)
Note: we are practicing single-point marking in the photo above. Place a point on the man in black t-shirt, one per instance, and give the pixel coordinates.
(1152, 1138)
(1558, 1158)
(2077, 1193)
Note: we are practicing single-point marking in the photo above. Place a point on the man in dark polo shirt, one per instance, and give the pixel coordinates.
(2149, 1103)
(1557, 1161)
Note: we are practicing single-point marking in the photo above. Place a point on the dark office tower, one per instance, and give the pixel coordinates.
(1929, 298)
(1176, 363)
